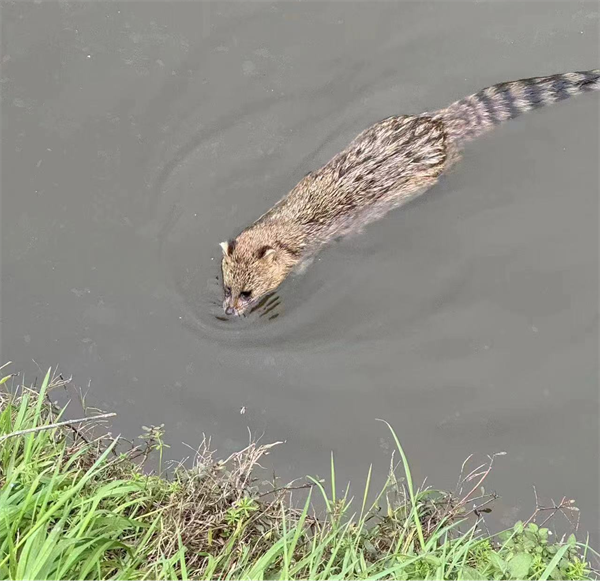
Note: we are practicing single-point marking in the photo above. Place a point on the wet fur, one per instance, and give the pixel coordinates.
(384, 167)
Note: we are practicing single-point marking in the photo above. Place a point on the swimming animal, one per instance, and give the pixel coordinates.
(384, 167)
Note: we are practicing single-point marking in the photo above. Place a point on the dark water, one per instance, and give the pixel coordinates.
(137, 136)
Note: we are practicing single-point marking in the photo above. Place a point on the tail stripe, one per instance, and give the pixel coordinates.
(493, 105)
(537, 96)
(562, 88)
(486, 98)
(509, 101)
(479, 112)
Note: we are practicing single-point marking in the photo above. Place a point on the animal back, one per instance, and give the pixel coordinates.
(388, 163)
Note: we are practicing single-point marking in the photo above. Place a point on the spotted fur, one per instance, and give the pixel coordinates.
(385, 166)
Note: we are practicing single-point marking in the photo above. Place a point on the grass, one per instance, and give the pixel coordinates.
(74, 505)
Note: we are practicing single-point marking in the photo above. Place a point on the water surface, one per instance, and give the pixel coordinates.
(137, 136)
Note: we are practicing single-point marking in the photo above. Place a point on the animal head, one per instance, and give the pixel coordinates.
(252, 266)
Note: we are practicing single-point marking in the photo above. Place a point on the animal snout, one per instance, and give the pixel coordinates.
(229, 311)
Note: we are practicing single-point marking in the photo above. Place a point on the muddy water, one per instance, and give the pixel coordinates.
(137, 136)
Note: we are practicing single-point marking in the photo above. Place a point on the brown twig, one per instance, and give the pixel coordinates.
(286, 488)
(562, 506)
(56, 425)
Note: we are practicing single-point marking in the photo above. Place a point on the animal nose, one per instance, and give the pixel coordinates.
(229, 311)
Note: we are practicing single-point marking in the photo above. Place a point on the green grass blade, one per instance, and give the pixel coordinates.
(409, 484)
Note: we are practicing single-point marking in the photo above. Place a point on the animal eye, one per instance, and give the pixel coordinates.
(227, 290)
(246, 294)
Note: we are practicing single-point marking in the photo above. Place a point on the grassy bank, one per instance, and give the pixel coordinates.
(78, 505)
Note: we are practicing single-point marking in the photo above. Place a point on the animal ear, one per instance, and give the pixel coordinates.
(266, 251)
(227, 247)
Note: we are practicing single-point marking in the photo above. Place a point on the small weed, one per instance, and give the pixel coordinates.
(241, 511)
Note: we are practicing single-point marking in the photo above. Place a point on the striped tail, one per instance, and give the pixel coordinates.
(476, 114)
